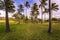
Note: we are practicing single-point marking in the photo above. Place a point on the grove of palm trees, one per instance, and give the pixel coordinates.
(29, 20)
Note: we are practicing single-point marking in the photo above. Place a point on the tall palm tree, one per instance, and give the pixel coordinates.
(50, 21)
(27, 5)
(34, 12)
(20, 10)
(9, 7)
(54, 7)
(42, 6)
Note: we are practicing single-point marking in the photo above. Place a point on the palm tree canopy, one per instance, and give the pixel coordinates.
(9, 4)
(46, 10)
(34, 10)
(27, 4)
(21, 8)
(54, 7)
(43, 3)
(1, 4)
(35, 7)
(19, 12)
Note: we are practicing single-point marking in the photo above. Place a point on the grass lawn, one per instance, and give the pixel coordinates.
(30, 32)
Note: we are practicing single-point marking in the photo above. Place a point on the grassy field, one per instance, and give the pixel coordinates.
(30, 32)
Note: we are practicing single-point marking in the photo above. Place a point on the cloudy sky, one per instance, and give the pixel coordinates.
(17, 2)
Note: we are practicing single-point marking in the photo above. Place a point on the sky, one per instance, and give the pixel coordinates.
(17, 2)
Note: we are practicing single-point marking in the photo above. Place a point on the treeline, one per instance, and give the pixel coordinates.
(35, 12)
(8, 6)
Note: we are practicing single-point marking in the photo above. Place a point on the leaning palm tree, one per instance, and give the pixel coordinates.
(9, 7)
(42, 6)
(27, 5)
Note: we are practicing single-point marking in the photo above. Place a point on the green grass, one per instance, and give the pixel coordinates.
(30, 32)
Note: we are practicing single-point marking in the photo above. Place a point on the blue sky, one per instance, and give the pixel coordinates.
(18, 2)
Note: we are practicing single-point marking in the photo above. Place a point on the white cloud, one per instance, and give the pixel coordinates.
(3, 14)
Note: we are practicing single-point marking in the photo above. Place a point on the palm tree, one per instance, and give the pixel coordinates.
(27, 5)
(42, 6)
(50, 21)
(54, 7)
(20, 10)
(51, 7)
(16, 17)
(34, 12)
(9, 7)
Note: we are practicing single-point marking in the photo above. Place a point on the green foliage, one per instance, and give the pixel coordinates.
(2, 5)
(17, 18)
(27, 4)
(54, 7)
(20, 9)
(43, 3)
(54, 19)
(9, 4)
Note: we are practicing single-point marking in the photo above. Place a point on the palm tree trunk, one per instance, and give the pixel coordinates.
(50, 21)
(44, 18)
(18, 22)
(26, 12)
(41, 15)
(7, 20)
